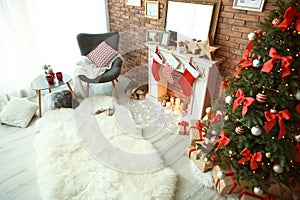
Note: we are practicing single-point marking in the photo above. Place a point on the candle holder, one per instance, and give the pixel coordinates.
(50, 79)
(59, 76)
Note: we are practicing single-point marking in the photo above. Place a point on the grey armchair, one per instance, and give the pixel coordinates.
(87, 42)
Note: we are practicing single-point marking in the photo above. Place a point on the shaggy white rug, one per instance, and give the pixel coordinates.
(67, 170)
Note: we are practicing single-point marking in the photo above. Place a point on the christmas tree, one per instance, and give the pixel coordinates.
(261, 133)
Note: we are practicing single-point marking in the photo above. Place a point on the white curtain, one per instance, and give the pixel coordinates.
(38, 32)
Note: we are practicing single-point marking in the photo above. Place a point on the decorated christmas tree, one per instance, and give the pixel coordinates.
(260, 139)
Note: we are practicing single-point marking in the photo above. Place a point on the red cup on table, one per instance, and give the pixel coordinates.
(59, 76)
(50, 79)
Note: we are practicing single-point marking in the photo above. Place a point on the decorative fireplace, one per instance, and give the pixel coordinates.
(203, 88)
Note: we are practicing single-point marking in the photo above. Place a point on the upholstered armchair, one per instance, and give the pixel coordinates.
(88, 42)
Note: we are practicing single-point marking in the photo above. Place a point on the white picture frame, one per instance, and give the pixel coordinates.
(152, 9)
(252, 5)
(133, 2)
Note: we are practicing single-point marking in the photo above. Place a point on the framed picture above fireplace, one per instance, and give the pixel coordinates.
(256, 5)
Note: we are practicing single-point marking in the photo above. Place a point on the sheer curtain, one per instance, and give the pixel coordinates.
(38, 32)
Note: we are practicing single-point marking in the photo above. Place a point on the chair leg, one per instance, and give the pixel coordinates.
(114, 86)
(87, 89)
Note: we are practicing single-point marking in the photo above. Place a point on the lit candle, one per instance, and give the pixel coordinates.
(172, 100)
(168, 105)
(177, 101)
(164, 103)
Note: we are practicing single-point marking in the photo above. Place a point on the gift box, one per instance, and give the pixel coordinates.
(275, 191)
(249, 195)
(227, 183)
(203, 165)
(190, 150)
(183, 128)
(195, 130)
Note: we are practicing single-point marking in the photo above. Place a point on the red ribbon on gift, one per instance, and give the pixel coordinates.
(271, 121)
(198, 126)
(217, 118)
(269, 197)
(248, 101)
(289, 16)
(184, 124)
(286, 61)
(190, 151)
(223, 140)
(254, 158)
(230, 173)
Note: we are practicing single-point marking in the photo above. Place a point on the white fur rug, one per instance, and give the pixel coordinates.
(66, 170)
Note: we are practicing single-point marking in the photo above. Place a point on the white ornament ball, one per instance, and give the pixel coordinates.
(220, 175)
(277, 168)
(297, 95)
(226, 118)
(252, 36)
(214, 132)
(297, 137)
(208, 110)
(256, 131)
(228, 99)
(258, 190)
(255, 63)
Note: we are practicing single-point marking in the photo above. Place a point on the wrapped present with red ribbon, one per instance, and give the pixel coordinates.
(225, 182)
(183, 128)
(190, 150)
(196, 133)
(248, 195)
(202, 163)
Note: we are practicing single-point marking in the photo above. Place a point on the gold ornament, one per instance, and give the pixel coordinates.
(268, 155)
(207, 49)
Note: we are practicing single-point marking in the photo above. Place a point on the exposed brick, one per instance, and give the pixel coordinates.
(236, 22)
(246, 17)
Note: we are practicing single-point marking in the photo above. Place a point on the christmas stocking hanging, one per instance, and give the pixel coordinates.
(188, 77)
(167, 72)
(156, 63)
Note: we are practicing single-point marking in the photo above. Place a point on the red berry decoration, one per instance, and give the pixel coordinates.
(261, 98)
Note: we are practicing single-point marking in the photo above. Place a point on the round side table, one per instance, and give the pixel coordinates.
(40, 83)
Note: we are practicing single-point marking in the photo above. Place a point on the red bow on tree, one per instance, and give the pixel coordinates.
(223, 140)
(245, 61)
(254, 158)
(271, 121)
(286, 61)
(289, 16)
(217, 118)
(248, 101)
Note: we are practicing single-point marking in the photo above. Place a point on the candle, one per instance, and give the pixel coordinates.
(164, 103)
(177, 101)
(172, 100)
(168, 105)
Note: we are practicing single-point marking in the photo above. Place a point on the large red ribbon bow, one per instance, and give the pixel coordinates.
(223, 140)
(254, 158)
(271, 121)
(198, 126)
(289, 16)
(248, 101)
(245, 61)
(184, 124)
(286, 61)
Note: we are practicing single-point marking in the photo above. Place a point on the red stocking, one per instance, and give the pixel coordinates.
(156, 63)
(187, 79)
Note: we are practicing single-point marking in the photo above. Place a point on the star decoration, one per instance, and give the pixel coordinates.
(207, 49)
(192, 46)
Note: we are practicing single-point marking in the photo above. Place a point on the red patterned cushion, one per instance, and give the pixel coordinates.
(102, 55)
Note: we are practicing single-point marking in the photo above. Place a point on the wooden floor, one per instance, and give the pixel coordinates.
(18, 173)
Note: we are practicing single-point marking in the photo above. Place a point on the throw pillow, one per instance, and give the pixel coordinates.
(18, 112)
(102, 55)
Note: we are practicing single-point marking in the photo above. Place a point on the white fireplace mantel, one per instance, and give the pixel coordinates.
(204, 87)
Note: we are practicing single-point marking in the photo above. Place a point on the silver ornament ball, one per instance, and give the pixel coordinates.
(228, 99)
(255, 130)
(297, 95)
(277, 169)
(252, 36)
(255, 63)
(257, 190)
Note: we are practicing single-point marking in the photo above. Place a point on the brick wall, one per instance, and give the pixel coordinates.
(231, 35)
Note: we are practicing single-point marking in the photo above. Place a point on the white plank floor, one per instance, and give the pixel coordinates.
(18, 173)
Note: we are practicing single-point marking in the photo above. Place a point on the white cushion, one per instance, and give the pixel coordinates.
(18, 112)
(102, 55)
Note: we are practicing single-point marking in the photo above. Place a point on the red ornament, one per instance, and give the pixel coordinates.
(261, 98)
